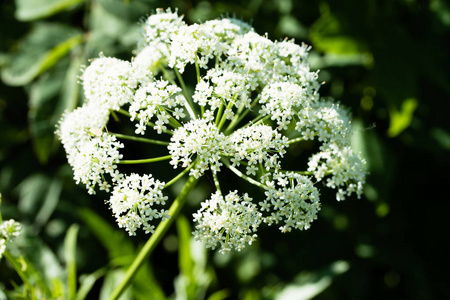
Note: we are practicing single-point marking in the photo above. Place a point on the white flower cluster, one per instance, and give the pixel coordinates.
(9, 230)
(293, 199)
(229, 221)
(227, 97)
(199, 138)
(133, 200)
(152, 100)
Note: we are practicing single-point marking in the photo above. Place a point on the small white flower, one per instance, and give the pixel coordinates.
(228, 222)
(132, 202)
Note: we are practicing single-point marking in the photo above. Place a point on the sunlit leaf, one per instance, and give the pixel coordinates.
(308, 286)
(290, 26)
(42, 48)
(130, 10)
(70, 251)
(219, 295)
(119, 248)
(50, 201)
(112, 279)
(400, 120)
(31, 192)
(326, 35)
(29, 10)
(87, 282)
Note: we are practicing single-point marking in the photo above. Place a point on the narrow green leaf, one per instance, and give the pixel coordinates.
(87, 282)
(219, 295)
(120, 249)
(112, 279)
(184, 251)
(70, 251)
(29, 10)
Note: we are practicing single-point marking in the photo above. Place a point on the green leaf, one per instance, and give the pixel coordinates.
(290, 26)
(184, 251)
(87, 282)
(219, 295)
(308, 286)
(112, 279)
(38, 197)
(50, 202)
(70, 251)
(129, 10)
(122, 253)
(70, 90)
(42, 48)
(29, 10)
(109, 33)
(327, 35)
(400, 120)
(31, 192)
(120, 249)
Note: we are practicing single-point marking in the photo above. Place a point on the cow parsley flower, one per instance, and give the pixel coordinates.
(133, 203)
(229, 221)
(9, 230)
(211, 96)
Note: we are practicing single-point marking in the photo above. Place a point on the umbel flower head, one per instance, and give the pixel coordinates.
(220, 96)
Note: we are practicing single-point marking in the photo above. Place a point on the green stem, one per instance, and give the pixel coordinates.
(224, 116)
(262, 120)
(239, 117)
(179, 175)
(167, 76)
(299, 139)
(242, 175)
(153, 241)
(18, 270)
(190, 105)
(216, 182)
(139, 139)
(144, 161)
(197, 69)
(124, 112)
(219, 113)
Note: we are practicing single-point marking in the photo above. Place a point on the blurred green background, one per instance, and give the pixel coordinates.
(388, 60)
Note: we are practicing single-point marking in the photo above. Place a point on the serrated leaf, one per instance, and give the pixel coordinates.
(42, 48)
(29, 10)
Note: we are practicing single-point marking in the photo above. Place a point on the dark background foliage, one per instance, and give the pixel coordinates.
(388, 61)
